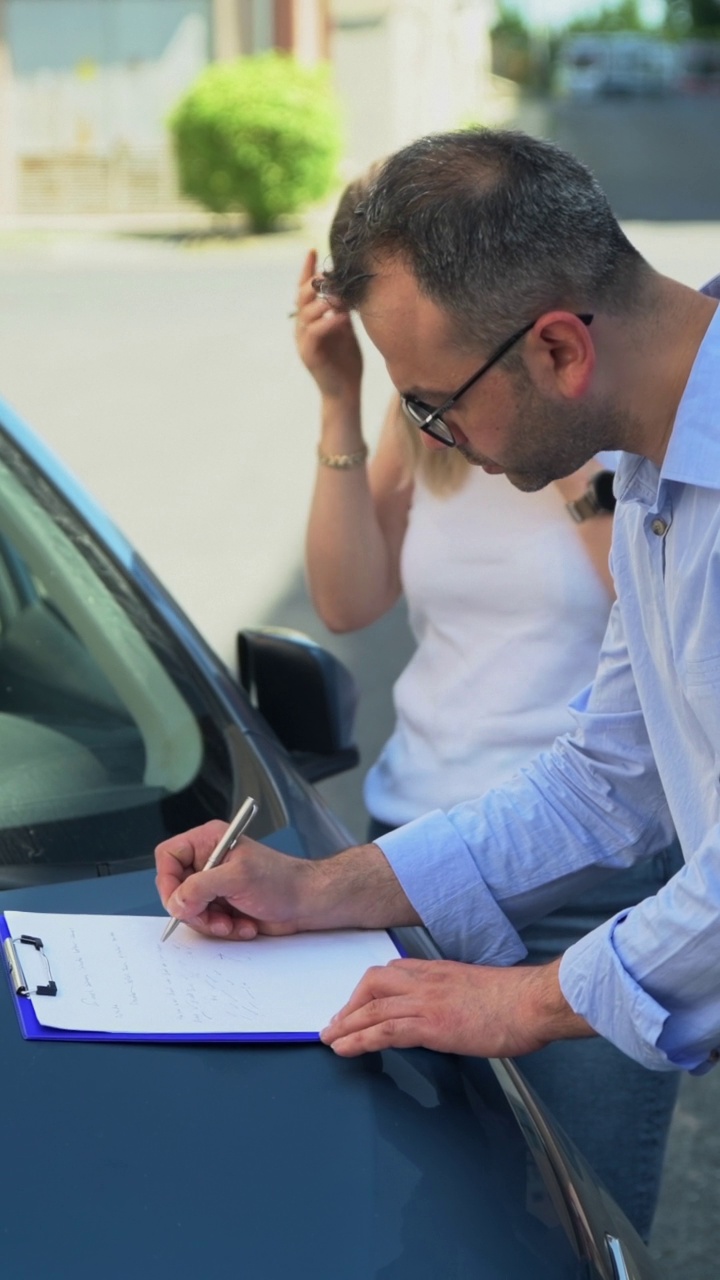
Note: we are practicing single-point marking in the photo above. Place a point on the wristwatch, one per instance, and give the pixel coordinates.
(597, 498)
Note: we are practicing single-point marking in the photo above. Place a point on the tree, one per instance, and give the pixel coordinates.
(704, 17)
(516, 52)
(260, 134)
(693, 17)
(625, 16)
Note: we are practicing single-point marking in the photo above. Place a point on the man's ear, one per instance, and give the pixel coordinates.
(560, 355)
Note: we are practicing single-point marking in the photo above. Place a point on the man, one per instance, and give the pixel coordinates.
(520, 326)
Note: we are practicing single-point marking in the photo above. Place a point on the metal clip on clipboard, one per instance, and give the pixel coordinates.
(20, 985)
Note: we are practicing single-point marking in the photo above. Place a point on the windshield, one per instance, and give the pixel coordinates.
(108, 743)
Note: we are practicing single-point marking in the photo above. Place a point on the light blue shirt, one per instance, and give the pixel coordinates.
(642, 763)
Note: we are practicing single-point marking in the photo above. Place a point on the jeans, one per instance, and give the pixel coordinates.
(616, 1112)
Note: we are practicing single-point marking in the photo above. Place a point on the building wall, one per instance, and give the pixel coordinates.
(86, 87)
(92, 84)
(408, 67)
(249, 26)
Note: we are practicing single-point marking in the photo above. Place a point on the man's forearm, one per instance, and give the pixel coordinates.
(544, 1007)
(355, 889)
(257, 889)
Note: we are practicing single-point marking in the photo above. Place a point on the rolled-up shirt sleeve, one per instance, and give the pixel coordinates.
(441, 874)
(647, 979)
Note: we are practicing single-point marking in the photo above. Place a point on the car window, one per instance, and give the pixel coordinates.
(107, 741)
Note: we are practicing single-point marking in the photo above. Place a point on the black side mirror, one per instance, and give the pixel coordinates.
(306, 695)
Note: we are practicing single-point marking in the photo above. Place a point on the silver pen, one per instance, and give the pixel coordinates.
(227, 841)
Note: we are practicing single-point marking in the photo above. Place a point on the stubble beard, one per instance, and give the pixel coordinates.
(551, 441)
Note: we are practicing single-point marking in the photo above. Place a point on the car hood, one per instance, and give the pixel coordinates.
(269, 1161)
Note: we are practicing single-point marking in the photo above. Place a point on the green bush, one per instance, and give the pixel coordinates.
(260, 134)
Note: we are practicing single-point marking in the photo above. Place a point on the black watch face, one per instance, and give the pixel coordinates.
(603, 486)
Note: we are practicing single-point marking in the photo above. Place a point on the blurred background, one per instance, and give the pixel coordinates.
(87, 86)
(146, 281)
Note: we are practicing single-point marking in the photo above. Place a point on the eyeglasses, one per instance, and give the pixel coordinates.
(431, 420)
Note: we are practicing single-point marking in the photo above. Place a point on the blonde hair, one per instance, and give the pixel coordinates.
(442, 471)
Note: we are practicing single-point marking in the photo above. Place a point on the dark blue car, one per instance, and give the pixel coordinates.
(118, 728)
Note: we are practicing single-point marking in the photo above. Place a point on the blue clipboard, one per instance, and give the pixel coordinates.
(32, 1029)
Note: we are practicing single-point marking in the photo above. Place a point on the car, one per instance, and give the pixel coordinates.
(118, 728)
(616, 63)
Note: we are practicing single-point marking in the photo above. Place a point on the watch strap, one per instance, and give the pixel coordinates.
(583, 508)
(597, 498)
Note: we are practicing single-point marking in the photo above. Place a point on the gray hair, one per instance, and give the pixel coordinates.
(496, 227)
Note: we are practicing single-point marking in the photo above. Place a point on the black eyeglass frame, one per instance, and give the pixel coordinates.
(432, 423)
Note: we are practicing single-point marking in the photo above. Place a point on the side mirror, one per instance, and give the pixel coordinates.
(306, 695)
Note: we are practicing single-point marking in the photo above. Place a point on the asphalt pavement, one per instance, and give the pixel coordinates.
(162, 370)
(656, 158)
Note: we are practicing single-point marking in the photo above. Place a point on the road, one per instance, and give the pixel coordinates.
(655, 158)
(164, 373)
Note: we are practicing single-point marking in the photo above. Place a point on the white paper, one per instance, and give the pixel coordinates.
(113, 974)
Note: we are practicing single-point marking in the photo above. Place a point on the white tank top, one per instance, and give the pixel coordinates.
(508, 613)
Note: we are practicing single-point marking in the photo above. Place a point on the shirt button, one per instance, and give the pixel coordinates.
(659, 527)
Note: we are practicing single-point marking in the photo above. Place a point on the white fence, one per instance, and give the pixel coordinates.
(91, 86)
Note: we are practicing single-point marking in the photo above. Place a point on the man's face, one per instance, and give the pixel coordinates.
(502, 423)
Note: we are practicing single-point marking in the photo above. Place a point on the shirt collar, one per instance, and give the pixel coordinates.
(693, 452)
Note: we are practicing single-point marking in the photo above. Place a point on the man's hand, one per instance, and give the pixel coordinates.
(455, 1008)
(258, 890)
(254, 890)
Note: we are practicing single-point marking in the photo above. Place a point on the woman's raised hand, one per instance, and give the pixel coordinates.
(325, 339)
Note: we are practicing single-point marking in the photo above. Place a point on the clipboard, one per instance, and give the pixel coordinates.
(32, 1028)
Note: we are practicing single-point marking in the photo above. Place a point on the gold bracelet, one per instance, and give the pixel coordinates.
(342, 461)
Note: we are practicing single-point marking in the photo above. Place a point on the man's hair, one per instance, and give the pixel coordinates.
(495, 226)
(351, 197)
